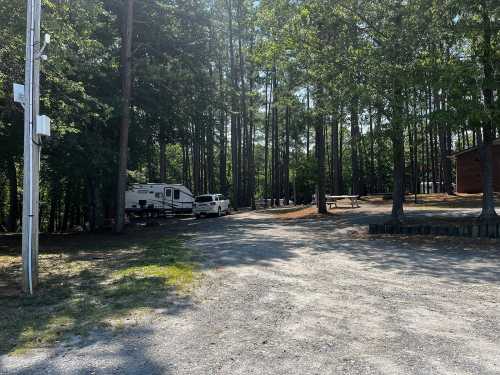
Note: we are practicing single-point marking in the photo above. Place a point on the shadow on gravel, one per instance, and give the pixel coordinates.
(252, 241)
(450, 259)
(265, 241)
(118, 358)
(243, 241)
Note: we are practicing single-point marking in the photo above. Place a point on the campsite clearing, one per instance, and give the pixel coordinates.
(306, 295)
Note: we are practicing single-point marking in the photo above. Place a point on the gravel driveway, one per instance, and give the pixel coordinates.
(309, 297)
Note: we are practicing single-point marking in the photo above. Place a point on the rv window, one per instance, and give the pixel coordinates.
(168, 193)
(177, 194)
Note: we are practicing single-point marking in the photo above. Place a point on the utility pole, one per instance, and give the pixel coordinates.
(34, 127)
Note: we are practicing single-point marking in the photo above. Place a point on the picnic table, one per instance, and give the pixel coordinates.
(332, 200)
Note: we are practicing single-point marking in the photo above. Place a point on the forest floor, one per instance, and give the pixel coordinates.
(276, 292)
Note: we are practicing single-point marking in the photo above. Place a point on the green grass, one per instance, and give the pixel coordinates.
(96, 289)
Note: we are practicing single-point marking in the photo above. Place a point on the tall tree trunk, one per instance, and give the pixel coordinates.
(266, 142)
(372, 154)
(243, 162)
(235, 168)
(341, 157)
(432, 146)
(222, 133)
(337, 177)
(275, 134)
(210, 177)
(380, 150)
(251, 140)
(397, 134)
(196, 166)
(320, 152)
(445, 146)
(126, 61)
(67, 207)
(485, 145)
(286, 158)
(308, 122)
(355, 135)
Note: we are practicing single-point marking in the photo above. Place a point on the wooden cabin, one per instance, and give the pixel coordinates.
(469, 177)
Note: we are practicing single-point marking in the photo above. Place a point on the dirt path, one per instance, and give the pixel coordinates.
(310, 297)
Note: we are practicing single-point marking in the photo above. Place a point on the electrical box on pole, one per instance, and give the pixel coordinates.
(43, 126)
(19, 94)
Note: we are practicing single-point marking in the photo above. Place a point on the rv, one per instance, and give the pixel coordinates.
(158, 199)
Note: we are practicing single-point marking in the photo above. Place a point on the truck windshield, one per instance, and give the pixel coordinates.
(204, 198)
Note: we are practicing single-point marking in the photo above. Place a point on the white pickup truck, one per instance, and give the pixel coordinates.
(210, 204)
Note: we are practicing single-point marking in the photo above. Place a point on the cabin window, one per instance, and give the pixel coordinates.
(168, 193)
(177, 194)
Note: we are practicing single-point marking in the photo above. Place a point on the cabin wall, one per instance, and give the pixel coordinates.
(469, 177)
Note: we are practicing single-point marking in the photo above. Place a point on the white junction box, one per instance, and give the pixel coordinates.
(19, 93)
(43, 126)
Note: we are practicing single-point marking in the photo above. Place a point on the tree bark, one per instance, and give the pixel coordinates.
(286, 158)
(266, 142)
(308, 120)
(222, 134)
(485, 145)
(397, 134)
(320, 152)
(275, 144)
(337, 177)
(126, 61)
(243, 162)
(234, 114)
(372, 154)
(355, 186)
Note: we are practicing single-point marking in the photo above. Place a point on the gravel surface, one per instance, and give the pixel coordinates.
(309, 297)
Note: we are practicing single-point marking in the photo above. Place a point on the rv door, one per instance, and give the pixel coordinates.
(177, 197)
(168, 198)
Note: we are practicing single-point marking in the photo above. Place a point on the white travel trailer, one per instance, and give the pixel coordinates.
(158, 198)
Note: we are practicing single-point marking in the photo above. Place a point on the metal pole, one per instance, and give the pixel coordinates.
(31, 150)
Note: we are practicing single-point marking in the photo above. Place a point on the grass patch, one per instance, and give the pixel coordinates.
(85, 290)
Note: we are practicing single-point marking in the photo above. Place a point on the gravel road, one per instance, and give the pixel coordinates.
(309, 297)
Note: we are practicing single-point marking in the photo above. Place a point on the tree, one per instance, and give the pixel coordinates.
(128, 21)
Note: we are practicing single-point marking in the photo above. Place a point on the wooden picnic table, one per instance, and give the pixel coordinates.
(332, 200)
